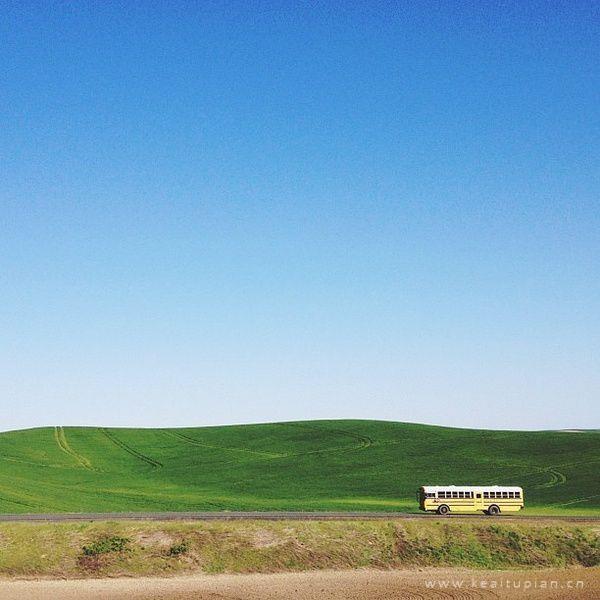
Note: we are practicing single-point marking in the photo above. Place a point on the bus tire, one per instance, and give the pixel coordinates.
(444, 509)
(493, 510)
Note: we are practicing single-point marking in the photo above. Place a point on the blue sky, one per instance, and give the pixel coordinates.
(240, 212)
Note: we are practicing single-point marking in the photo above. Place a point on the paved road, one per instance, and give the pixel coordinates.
(265, 516)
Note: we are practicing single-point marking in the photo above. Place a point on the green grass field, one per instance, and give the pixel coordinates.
(316, 465)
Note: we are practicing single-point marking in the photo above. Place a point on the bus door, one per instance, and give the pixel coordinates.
(478, 500)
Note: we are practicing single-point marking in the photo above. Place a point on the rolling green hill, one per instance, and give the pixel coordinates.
(312, 465)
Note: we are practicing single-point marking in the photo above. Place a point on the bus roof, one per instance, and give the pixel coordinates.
(468, 488)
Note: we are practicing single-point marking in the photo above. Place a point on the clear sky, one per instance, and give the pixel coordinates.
(258, 211)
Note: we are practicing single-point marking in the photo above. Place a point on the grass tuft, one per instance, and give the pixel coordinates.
(178, 549)
(106, 545)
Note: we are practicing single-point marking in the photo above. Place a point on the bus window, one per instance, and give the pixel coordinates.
(511, 494)
(455, 494)
(505, 494)
(486, 494)
(461, 494)
(517, 494)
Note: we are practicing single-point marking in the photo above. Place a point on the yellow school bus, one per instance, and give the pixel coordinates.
(491, 500)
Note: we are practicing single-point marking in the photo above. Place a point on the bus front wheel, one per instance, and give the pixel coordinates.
(443, 510)
(493, 510)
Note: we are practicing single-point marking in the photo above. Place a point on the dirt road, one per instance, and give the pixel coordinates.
(324, 585)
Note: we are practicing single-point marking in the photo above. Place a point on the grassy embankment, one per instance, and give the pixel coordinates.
(320, 465)
(158, 549)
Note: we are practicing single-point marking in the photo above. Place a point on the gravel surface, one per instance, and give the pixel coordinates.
(324, 585)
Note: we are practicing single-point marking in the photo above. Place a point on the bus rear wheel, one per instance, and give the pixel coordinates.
(493, 510)
(443, 509)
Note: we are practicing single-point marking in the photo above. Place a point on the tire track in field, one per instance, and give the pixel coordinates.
(140, 498)
(121, 444)
(18, 502)
(195, 442)
(21, 486)
(576, 500)
(363, 440)
(34, 464)
(61, 440)
(556, 478)
(560, 478)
